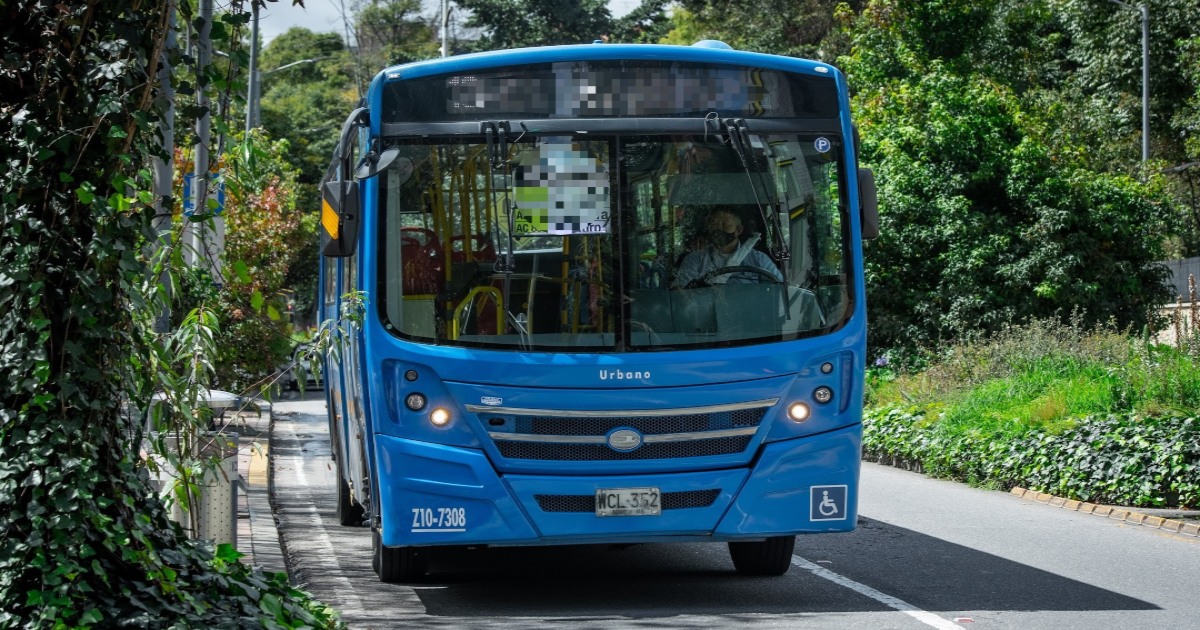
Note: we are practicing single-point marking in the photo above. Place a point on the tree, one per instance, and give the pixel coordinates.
(783, 27)
(267, 236)
(85, 541)
(306, 104)
(519, 23)
(391, 32)
(991, 213)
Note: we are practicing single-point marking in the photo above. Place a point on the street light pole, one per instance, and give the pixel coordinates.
(1145, 12)
(252, 75)
(445, 27)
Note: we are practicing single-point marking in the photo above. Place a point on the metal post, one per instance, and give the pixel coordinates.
(252, 75)
(203, 246)
(194, 241)
(164, 168)
(445, 27)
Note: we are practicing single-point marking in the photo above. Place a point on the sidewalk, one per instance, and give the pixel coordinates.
(257, 535)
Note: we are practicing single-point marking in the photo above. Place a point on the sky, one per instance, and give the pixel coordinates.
(325, 16)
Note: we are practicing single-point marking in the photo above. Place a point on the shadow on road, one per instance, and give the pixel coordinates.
(666, 579)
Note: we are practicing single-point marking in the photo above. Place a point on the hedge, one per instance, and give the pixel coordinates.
(1126, 460)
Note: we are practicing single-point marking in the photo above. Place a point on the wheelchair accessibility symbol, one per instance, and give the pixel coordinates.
(827, 503)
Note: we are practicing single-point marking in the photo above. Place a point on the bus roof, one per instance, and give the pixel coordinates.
(702, 52)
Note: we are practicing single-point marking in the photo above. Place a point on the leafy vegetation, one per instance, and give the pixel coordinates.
(807, 29)
(267, 236)
(518, 23)
(85, 540)
(1086, 413)
(1007, 160)
(990, 213)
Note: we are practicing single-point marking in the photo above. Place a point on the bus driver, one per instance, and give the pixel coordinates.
(725, 248)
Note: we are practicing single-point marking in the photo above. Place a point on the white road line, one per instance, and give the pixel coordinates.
(924, 617)
(345, 587)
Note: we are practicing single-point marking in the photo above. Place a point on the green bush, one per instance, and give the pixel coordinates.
(1117, 459)
(1089, 414)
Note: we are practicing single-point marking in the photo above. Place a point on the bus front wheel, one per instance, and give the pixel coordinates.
(397, 564)
(772, 556)
(349, 513)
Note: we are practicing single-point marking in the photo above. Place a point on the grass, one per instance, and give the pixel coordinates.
(1044, 375)
(1091, 415)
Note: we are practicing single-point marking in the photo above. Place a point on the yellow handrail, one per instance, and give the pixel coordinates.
(470, 301)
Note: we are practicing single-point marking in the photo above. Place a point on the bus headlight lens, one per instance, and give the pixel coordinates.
(823, 394)
(798, 412)
(439, 417)
(415, 402)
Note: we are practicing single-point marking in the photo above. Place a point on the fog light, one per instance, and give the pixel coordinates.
(410, 375)
(439, 417)
(823, 394)
(798, 412)
(416, 402)
(826, 367)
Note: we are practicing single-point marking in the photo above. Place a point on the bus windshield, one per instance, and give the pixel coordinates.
(614, 243)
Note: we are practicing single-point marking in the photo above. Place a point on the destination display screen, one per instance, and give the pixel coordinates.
(610, 89)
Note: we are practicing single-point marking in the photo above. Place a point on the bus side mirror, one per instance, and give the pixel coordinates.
(372, 163)
(339, 218)
(868, 203)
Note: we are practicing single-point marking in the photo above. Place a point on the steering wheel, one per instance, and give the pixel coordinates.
(706, 279)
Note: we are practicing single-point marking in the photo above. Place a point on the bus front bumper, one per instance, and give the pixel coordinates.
(438, 495)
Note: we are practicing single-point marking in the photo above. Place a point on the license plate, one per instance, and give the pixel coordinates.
(628, 502)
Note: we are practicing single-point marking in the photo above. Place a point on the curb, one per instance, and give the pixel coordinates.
(1108, 511)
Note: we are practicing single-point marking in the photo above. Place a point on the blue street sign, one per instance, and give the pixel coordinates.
(216, 190)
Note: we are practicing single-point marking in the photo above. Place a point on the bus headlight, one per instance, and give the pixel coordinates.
(799, 412)
(823, 394)
(439, 417)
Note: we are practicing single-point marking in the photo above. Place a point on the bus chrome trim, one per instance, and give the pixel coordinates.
(623, 413)
(601, 439)
(698, 435)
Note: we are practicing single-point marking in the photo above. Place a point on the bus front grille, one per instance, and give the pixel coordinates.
(601, 452)
(583, 436)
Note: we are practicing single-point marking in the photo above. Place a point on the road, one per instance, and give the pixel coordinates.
(927, 554)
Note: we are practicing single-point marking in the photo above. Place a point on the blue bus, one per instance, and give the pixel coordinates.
(611, 294)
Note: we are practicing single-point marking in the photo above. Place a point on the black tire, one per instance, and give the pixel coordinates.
(398, 564)
(772, 556)
(349, 513)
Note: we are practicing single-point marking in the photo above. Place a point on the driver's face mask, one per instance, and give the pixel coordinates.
(721, 238)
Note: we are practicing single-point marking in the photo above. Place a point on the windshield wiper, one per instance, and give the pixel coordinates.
(496, 135)
(739, 139)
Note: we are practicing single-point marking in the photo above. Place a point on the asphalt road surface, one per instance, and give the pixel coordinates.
(926, 554)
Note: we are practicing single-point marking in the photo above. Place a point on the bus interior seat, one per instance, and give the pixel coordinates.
(481, 249)
(421, 253)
